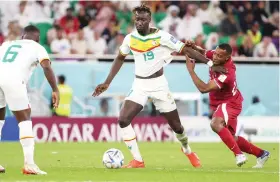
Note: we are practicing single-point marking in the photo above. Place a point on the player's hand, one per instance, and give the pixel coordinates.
(190, 43)
(219, 69)
(55, 98)
(190, 63)
(100, 89)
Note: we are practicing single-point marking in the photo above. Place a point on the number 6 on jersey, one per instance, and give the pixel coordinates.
(12, 53)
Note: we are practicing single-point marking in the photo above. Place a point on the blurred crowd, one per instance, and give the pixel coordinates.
(99, 27)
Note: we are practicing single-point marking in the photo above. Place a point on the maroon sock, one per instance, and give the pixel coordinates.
(229, 140)
(248, 147)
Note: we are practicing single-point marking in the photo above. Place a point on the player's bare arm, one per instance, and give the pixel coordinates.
(116, 66)
(49, 74)
(189, 51)
(190, 43)
(198, 53)
(201, 86)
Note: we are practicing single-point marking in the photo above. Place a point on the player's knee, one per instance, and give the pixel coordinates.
(216, 124)
(123, 122)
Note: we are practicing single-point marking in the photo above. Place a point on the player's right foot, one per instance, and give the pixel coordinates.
(193, 158)
(134, 164)
(262, 159)
(32, 169)
(240, 159)
(2, 169)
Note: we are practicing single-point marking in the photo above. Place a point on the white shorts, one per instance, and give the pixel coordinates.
(14, 93)
(157, 89)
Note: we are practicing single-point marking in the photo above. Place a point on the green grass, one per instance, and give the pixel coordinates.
(164, 162)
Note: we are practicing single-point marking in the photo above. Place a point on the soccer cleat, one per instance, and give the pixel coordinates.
(32, 169)
(240, 159)
(262, 160)
(193, 158)
(2, 169)
(134, 164)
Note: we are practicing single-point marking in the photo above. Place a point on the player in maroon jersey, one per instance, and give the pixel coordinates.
(226, 102)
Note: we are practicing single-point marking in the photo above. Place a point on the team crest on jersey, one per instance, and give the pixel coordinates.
(173, 39)
(222, 78)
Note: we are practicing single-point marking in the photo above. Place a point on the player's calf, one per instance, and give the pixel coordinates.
(218, 126)
(248, 147)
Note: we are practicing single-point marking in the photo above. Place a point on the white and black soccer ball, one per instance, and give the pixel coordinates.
(113, 159)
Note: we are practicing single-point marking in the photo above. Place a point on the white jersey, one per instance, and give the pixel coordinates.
(19, 58)
(151, 52)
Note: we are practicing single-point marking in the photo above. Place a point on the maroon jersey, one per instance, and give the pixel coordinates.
(228, 91)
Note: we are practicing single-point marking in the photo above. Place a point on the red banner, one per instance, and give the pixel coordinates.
(61, 129)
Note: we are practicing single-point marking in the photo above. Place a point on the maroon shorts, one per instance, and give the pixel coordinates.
(229, 112)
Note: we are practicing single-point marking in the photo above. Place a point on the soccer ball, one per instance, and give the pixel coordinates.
(113, 159)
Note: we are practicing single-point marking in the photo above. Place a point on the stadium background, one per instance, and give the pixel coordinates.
(83, 37)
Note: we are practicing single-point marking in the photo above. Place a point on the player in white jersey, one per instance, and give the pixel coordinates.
(17, 60)
(151, 49)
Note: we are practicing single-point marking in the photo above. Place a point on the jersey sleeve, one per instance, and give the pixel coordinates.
(171, 42)
(209, 54)
(124, 48)
(42, 54)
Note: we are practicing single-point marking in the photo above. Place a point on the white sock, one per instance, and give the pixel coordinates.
(1, 126)
(129, 138)
(27, 141)
(183, 138)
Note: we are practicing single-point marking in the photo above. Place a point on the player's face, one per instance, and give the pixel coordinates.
(220, 56)
(142, 21)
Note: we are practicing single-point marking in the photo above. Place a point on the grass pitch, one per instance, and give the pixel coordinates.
(164, 162)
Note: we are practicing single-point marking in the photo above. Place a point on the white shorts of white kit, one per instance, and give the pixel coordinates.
(155, 88)
(14, 93)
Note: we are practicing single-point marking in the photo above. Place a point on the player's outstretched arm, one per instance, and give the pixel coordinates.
(49, 74)
(190, 43)
(195, 51)
(189, 51)
(201, 86)
(116, 66)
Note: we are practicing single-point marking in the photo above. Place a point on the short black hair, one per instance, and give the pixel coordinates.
(61, 78)
(142, 8)
(31, 29)
(226, 47)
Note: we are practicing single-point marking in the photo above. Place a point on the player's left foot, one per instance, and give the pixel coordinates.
(240, 159)
(2, 169)
(134, 164)
(262, 159)
(193, 158)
